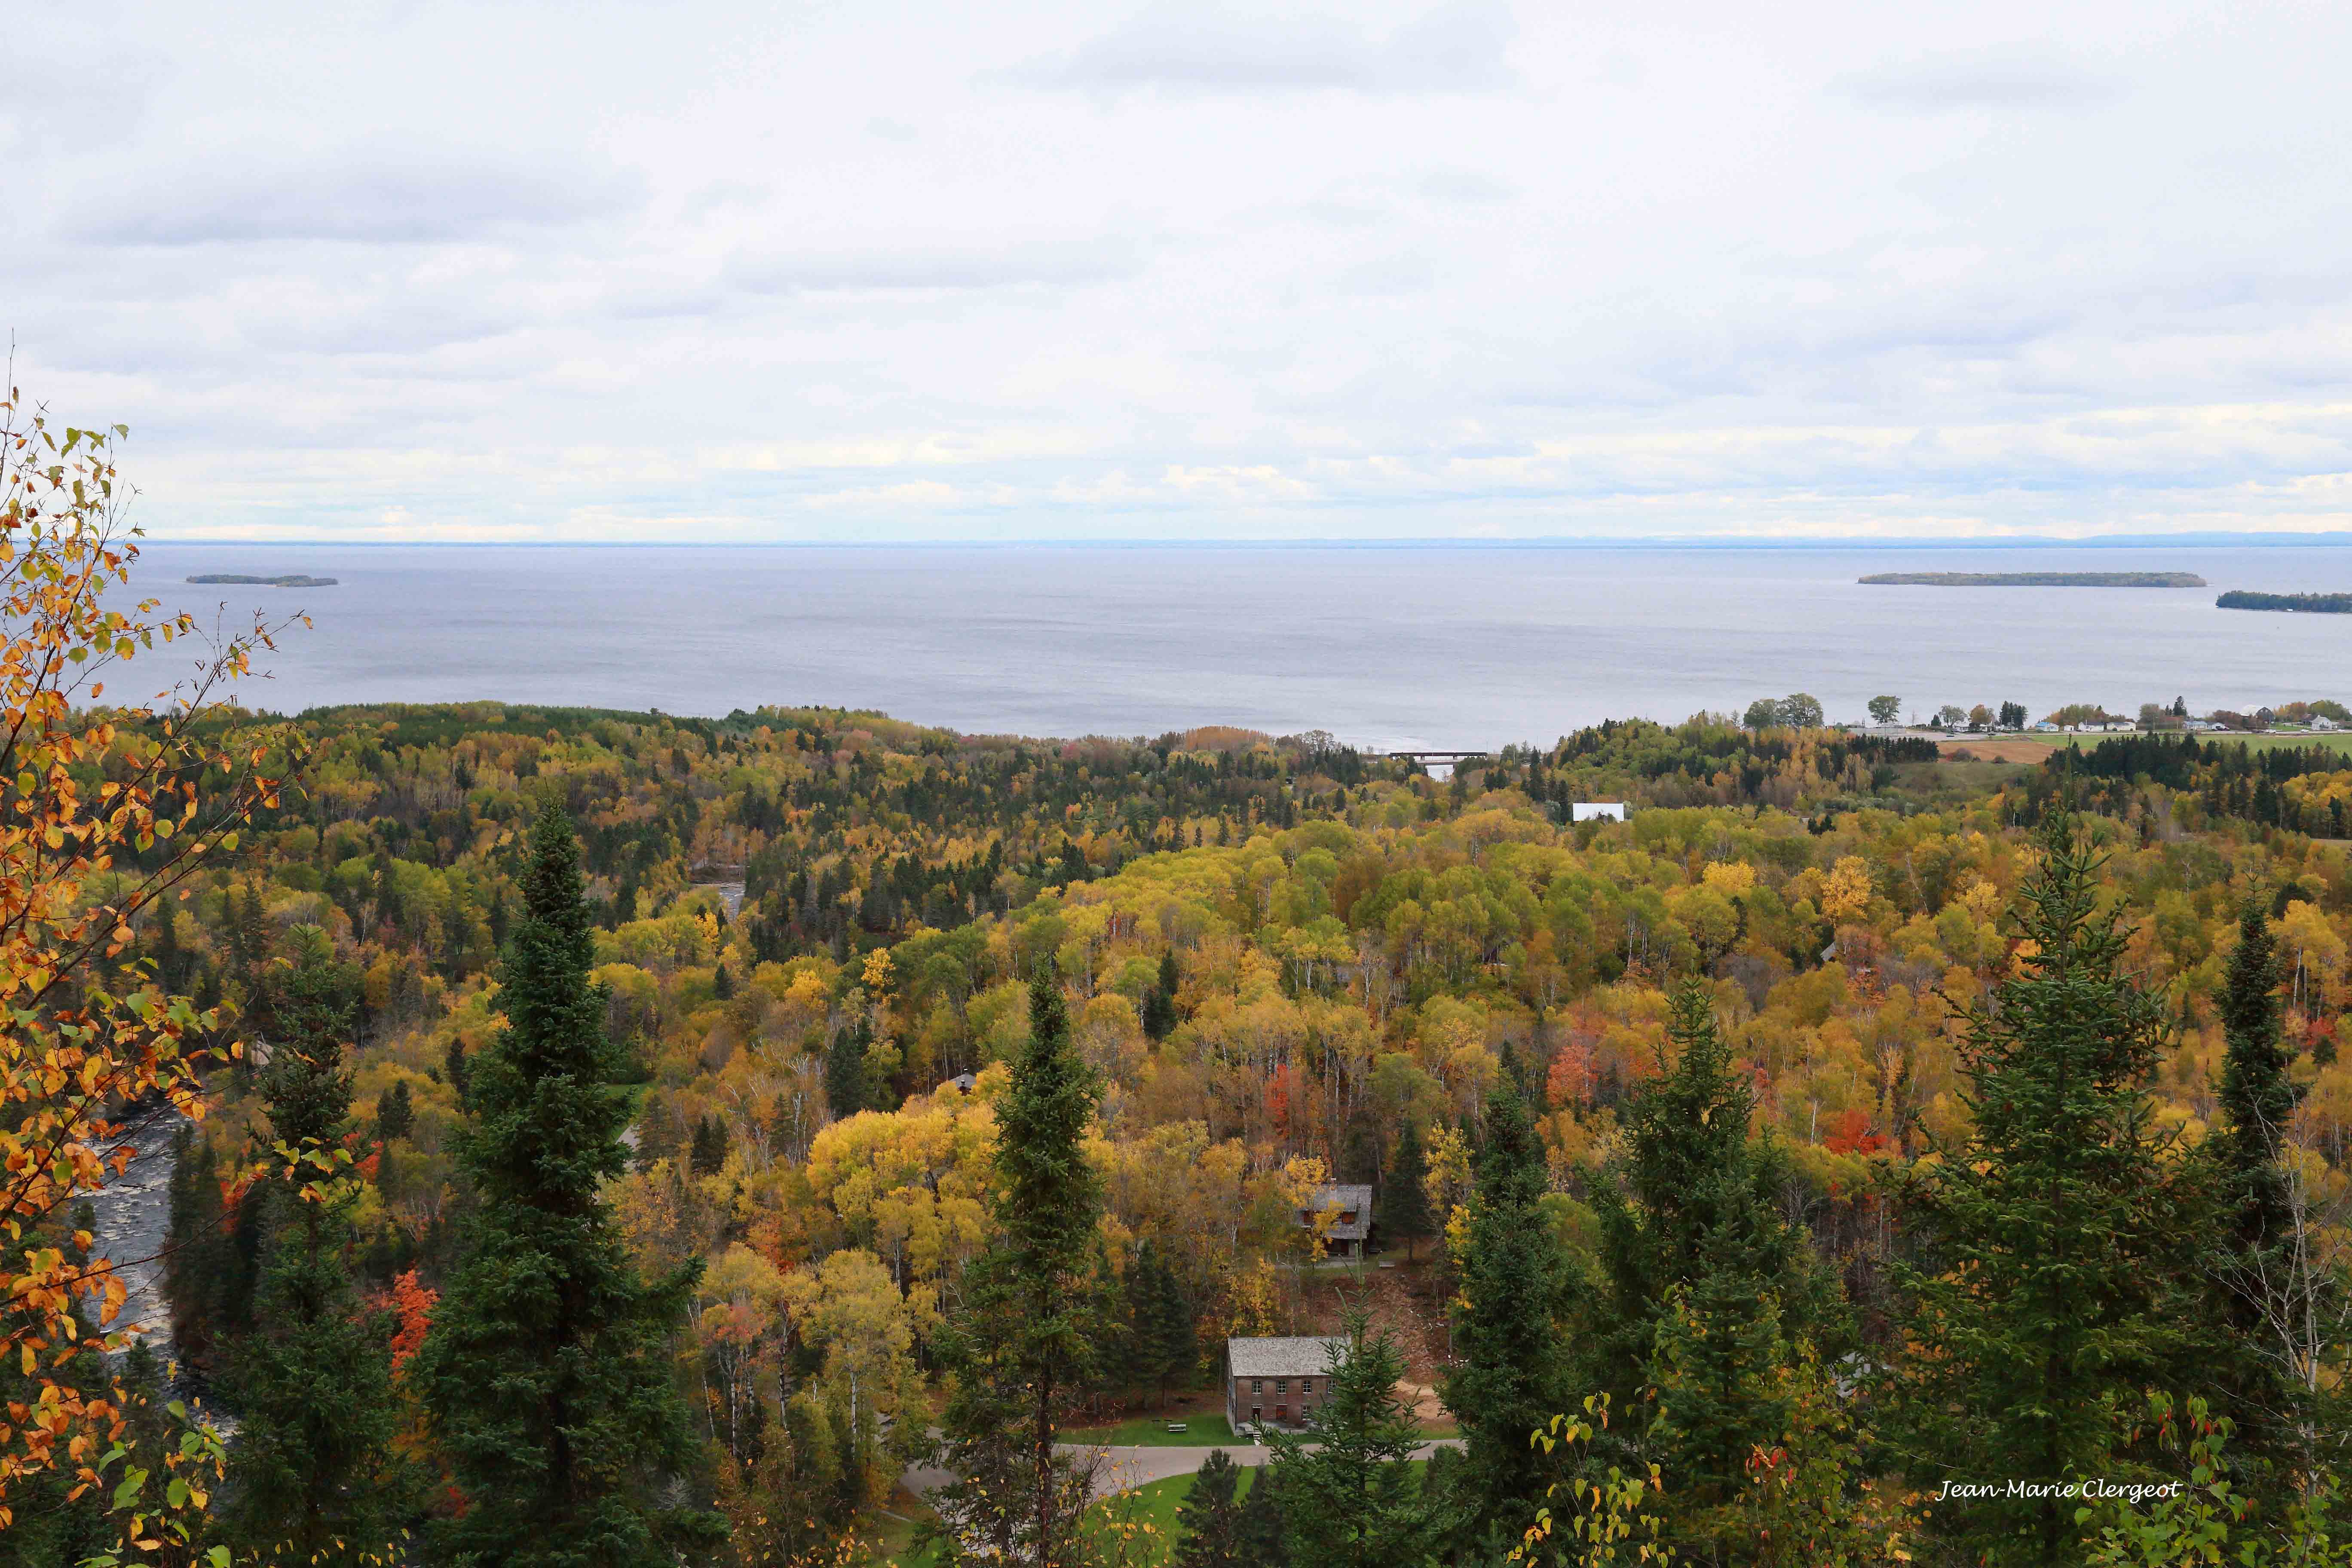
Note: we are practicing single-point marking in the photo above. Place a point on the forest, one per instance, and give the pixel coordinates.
(620, 1138)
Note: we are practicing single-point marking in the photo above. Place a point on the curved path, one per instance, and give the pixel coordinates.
(1124, 1469)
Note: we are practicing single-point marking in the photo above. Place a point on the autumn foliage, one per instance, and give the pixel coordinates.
(105, 809)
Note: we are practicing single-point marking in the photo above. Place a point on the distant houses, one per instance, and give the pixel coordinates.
(1280, 1382)
(1597, 811)
(1348, 1209)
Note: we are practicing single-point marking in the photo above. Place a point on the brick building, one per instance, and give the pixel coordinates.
(1278, 1382)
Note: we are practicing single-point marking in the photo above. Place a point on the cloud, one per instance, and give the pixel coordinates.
(2001, 76)
(369, 202)
(1459, 47)
(917, 268)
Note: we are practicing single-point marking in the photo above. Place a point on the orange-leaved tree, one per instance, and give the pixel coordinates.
(105, 808)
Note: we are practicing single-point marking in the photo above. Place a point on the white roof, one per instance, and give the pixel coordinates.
(1283, 1358)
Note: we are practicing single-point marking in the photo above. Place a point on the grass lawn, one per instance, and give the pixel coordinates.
(2334, 740)
(1154, 1504)
(1203, 1429)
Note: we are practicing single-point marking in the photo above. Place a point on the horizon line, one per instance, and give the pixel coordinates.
(2208, 538)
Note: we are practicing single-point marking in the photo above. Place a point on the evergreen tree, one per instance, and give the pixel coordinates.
(1696, 1258)
(1262, 1538)
(1160, 1001)
(2262, 1274)
(708, 1155)
(1349, 1496)
(307, 1475)
(2050, 1293)
(395, 1112)
(545, 1372)
(1176, 1329)
(2258, 1096)
(1024, 1342)
(1511, 1373)
(453, 1062)
(1209, 1519)
(1402, 1211)
(847, 1090)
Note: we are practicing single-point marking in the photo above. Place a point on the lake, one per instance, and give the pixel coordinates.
(1441, 646)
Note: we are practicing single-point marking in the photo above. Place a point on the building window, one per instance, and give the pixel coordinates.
(1257, 1385)
(1305, 1386)
(1281, 1385)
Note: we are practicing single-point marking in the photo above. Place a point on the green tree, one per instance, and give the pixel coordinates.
(1159, 1001)
(1209, 1519)
(1263, 1537)
(545, 1372)
(2258, 1096)
(1347, 1494)
(1511, 1371)
(1024, 1342)
(395, 1112)
(311, 1472)
(2267, 1281)
(2049, 1293)
(848, 1085)
(1696, 1259)
(1164, 1333)
(1885, 709)
(1402, 1211)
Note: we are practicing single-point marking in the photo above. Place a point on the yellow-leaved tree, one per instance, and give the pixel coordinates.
(105, 808)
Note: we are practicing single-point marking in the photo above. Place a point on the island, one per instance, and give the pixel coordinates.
(2040, 579)
(2308, 604)
(296, 581)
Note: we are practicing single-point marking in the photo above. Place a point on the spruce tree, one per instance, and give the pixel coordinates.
(1160, 1001)
(1511, 1374)
(1209, 1519)
(395, 1112)
(1176, 1328)
(2048, 1297)
(1694, 1249)
(2262, 1274)
(2258, 1097)
(1349, 1496)
(1024, 1342)
(308, 1475)
(847, 1087)
(1263, 1536)
(1402, 1211)
(546, 1370)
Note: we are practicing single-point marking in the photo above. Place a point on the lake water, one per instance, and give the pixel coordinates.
(1434, 646)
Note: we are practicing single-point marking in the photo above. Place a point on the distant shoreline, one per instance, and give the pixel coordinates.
(295, 581)
(2038, 578)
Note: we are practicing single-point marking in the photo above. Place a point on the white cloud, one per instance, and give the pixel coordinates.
(1192, 47)
(1047, 269)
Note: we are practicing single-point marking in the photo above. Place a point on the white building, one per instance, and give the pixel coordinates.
(1597, 811)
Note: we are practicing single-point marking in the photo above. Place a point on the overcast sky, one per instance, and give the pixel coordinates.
(949, 271)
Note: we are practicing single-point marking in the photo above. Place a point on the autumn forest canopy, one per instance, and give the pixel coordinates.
(620, 1138)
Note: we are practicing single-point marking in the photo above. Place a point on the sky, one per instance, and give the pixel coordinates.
(877, 271)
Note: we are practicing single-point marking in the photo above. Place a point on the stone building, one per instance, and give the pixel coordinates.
(1278, 1382)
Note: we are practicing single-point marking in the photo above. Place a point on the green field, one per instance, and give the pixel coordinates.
(1202, 1430)
(1154, 1504)
(2334, 740)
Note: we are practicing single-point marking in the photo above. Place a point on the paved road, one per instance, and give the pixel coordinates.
(1123, 1469)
